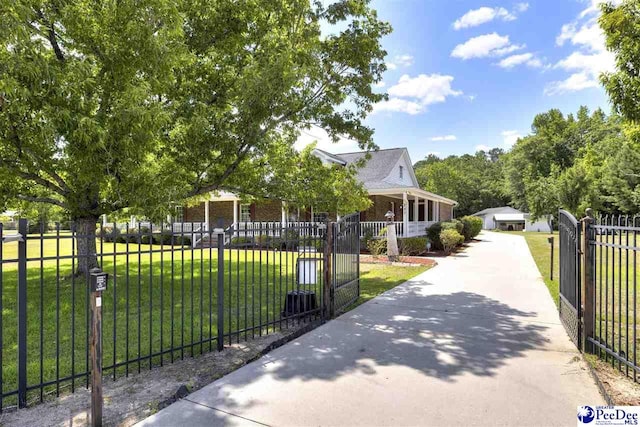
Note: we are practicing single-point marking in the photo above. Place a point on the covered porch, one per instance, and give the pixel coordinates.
(415, 210)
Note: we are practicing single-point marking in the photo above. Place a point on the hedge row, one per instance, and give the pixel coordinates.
(445, 236)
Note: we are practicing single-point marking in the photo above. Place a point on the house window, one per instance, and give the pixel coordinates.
(179, 214)
(245, 212)
(401, 172)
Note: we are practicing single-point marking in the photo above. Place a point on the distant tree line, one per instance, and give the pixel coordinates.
(571, 162)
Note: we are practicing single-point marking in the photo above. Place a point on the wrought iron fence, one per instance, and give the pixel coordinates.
(346, 262)
(167, 299)
(613, 259)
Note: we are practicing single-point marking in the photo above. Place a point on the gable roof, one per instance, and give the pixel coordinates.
(502, 209)
(378, 167)
(509, 217)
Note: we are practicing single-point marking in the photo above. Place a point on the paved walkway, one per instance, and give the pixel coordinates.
(473, 341)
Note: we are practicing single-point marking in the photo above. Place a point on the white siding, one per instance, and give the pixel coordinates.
(541, 225)
(394, 176)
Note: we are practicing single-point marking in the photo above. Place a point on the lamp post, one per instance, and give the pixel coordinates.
(392, 240)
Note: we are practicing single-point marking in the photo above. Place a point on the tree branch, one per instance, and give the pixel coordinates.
(48, 200)
(51, 36)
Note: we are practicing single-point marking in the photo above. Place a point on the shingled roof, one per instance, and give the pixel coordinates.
(377, 168)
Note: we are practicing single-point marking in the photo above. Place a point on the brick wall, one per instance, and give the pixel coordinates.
(446, 212)
(381, 205)
(268, 211)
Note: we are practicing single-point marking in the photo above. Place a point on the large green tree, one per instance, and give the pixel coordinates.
(106, 105)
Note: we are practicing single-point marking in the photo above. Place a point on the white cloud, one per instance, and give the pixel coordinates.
(482, 147)
(379, 84)
(400, 61)
(412, 95)
(485, 14)
(399, 105)
(510, 137)
(324, 142)
(444, 138)
(486, 45)
(471, 98)
(574, 83)
(590, 57)
(524, 58)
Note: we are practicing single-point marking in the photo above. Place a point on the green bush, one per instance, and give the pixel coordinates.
(449, 239)
(433, 234)
(366, 238)
(163, 238)
(290, 238)
(241, 241)
(412, 246)
(182, 240)
(377, 247)
(108, 234)
(472, 226)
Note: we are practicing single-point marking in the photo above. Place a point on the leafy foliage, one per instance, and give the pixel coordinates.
(450, 239)
(136, 104)
(412, 246)
(472, 226)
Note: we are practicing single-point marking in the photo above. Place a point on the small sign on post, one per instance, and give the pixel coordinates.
(98, 282)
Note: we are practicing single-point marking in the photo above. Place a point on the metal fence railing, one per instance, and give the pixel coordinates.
(614, 252)
(166, 300)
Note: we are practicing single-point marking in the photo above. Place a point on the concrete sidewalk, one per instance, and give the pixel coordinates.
(473, 341)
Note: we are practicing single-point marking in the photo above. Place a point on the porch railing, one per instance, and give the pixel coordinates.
(414, 229)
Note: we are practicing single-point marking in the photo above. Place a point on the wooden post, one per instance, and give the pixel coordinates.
(550, 240)
(328, 285)
(98, 284)
(588, 283)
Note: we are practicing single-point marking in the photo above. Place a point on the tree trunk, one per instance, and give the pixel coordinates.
(86, 242)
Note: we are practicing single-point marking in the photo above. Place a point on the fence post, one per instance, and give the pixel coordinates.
(98, 281)
(328, 285)
(588, 283)
(23, 228)
(220, 300)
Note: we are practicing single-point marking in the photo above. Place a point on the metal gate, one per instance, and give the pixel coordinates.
(570, 298)
(346, 262)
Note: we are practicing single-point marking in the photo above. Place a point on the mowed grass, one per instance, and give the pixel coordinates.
(617, 278)
(156, 301)
(376, 279)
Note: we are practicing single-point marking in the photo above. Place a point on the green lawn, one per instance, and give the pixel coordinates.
(152, 305)
(379, 278)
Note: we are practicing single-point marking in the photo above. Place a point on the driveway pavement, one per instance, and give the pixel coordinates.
(473, 341)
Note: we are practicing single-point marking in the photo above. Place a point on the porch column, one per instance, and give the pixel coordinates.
(436, 210)
(416, 207)
(235, 211)
(426, 210)
(283, 217)
(405, 215)
(206, 215)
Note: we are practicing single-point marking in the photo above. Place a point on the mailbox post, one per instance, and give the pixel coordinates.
(550, 240)
(98, 283)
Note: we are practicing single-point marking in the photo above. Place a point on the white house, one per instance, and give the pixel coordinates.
(507, 218)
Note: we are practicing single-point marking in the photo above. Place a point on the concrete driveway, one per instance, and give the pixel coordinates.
(473, 341)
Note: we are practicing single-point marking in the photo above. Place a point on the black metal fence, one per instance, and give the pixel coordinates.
(172, 293)
(569, 303)
(612, 258)
(346, 262)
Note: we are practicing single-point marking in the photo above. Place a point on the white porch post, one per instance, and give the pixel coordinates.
(104, 220)
(426, 210)
(283, 217)
(206, 215)
(416, 207)
(405, 214)
(436, 209)
(235, 211)
(311, 210)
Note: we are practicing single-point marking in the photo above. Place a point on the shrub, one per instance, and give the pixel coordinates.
(182, 240)
(377, 247)
(450, 239)
(290, 238)
(433, 234)
(412, 246)
(163, 238)
(241, 241)
(108, 234)
(472, 226)
(366, 238)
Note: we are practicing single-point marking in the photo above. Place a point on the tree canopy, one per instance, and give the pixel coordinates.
(135, 104)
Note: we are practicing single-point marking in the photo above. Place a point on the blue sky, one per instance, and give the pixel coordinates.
(472, 74)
